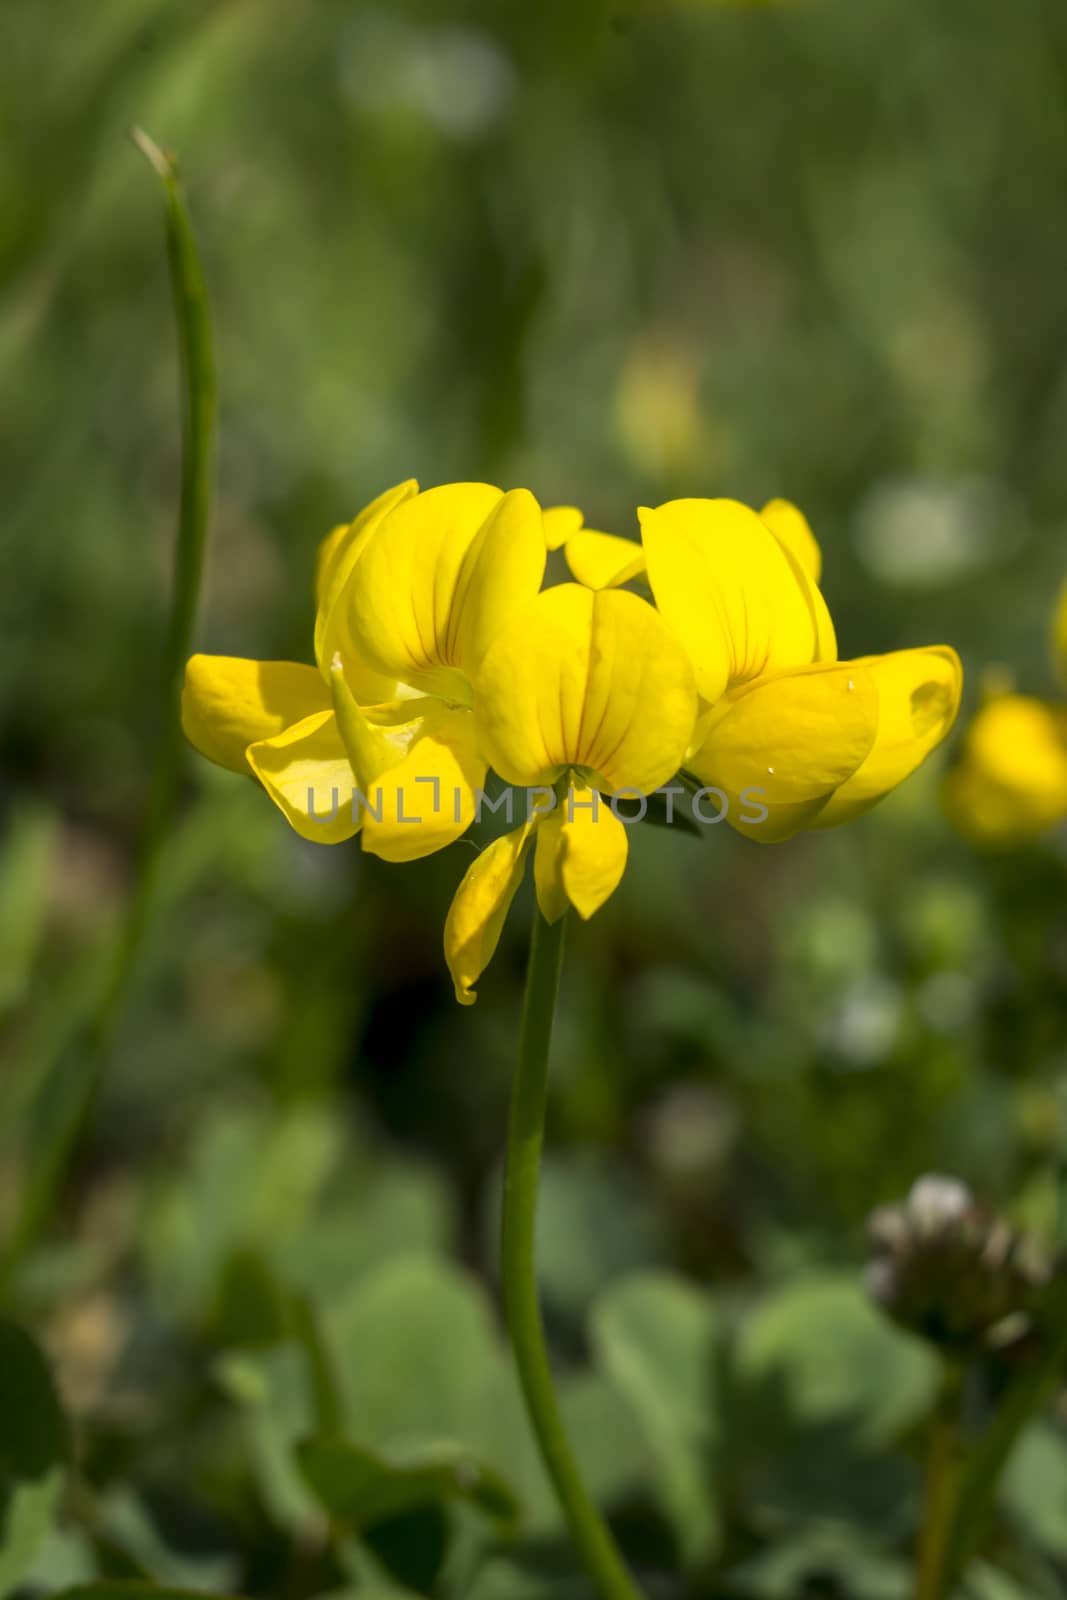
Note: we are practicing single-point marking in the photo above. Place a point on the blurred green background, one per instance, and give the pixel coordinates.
(618, 253)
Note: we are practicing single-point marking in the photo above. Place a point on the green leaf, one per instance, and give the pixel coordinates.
(122, 1521)
(34, 1437)
(327, 1399)
(372, 1217)
(273, 1389)
(286, 1189)
(830, 1357)
(593, 1225)
(416, 1350)
(655, 1337)
(823, 1560)
(251, 1308)
(411, 1548)
(986, 1582)
(1034, 1488)
(34, 1446)
(29, 1513)
(421, 1361)
(250, 1181)
(607, 1437)
(360, 1488)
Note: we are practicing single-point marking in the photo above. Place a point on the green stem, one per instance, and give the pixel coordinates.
(518, 1267)
(941, 1470)
(980, 1478)
(64, 1101)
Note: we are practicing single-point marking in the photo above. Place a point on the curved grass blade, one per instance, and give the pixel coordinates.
(65, 1098)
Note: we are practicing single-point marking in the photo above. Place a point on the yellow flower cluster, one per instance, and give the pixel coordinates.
(440, 656)
(1010, 782)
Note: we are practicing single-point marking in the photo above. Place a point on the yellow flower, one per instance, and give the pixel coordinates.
(439, 656)
(818, 740)
(1010, 781)
(410, 595)
(590, 695)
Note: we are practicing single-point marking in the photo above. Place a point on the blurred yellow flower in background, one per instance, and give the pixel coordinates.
(657, 404)
(1010, 781)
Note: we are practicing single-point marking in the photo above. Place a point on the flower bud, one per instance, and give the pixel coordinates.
(944, 1268)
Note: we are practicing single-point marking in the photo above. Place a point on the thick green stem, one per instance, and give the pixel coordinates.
(518, 1266)
(941, 1470)
(64, 1102)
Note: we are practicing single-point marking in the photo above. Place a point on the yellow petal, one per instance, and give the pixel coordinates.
(227, 702)
(328, 555)
(791, 528)
(307, 775)
(476, 916)
(825, 635)
(1010, 782)
(372, 748)
(581, 854)
(341, 548)
(736, 598)
(784, 744)
(918, 700)
(400, 593)
(500, 574)
(560, 523)
(338, 555)
(429, 798)
(1059, 637)
(586, 679)
(603, 560)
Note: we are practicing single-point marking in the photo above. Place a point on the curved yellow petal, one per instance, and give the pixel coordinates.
(581, 854)
(792, 529)
(586, 679)
(739, 602)
(477, 913)
(603, 560)
(784, 744)
(227, 702)
(372, 747)
(428, 799)
(306, 773)
(1010, 782)
(338, 555)
(499, 576)
(400, 593)
(825, 634)
(560, 523)
(1059, 636)
(918, 701)
(328, 555)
